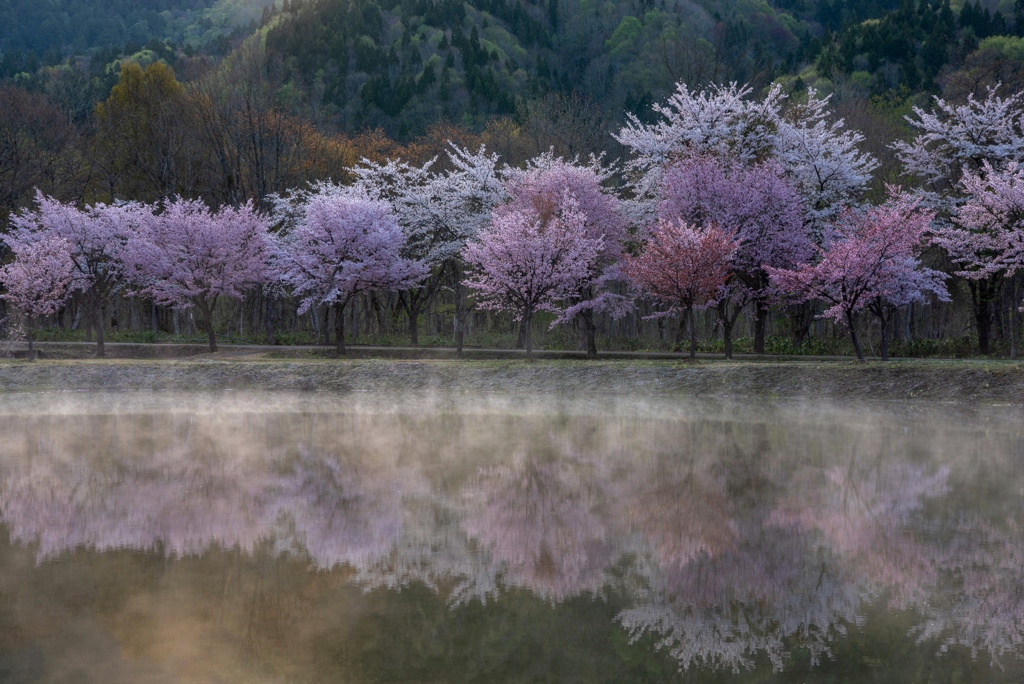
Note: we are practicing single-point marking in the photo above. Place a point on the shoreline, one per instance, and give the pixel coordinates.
(947, 381)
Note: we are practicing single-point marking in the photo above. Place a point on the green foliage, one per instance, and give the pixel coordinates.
(498, 53)
(52, 30)
(1010, 47)
(782, 346)
(909, 47)
(624, 37)
(403, 65)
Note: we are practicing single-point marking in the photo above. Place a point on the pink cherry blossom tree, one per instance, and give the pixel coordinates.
(540, 188)
(96, 235)
(764, 213)
(188, 256)
(871, 261)
(343, 244)
(986, 237)
(528, 261)
(682, 268)
(37, 281)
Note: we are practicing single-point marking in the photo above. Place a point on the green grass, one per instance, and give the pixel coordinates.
(563, 339)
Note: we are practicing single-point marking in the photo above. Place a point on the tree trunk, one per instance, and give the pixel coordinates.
(521, 339)
(87, 304)
(680, 333)
(728, 323)
(850, 320)
(693, 333)
(885, 336)
(271, 312)
(801, 318)
(355, 319)
(206, 309)
(590, 330)
(210, 335)
(982, 293)
(760, 323)
(96, 318)
(1013, 333)
(1013, 318)
(527, 337)
(325, 326)
(31, 351)
(101, 350)
(414, 316)
(339, 328)
(460, 312)
(983, 324)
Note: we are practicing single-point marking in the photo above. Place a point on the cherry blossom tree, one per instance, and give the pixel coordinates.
(821, 157)
(438, 213)
(986, 238)
(958, 137)
(871, 261)
(343, 244)
(817, 153)
(682, 268)
(96, 235)
(540, 187)
(760, 209)
(188, 256)
(37, 281)
(956, 147)
(527, 261)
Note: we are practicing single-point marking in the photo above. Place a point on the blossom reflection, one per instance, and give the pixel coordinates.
(733, 537)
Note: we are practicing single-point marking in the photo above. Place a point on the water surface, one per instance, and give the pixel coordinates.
(251, 537)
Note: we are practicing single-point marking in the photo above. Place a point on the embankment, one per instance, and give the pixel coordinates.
(960, 381)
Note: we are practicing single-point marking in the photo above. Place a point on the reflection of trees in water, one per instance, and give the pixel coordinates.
(205, 490)
(736, 540)
(962, 574)
(863, 511)
(539, 520)
(184, 507)
(719, 584)
(341, 510)
(979, 603)
(771, 590)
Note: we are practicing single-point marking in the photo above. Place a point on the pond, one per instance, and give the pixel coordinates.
(248, 537)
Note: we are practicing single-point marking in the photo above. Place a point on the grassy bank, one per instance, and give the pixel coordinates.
(929, 380)
(563, 340)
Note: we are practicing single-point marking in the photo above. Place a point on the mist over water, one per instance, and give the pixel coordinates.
(260, 537)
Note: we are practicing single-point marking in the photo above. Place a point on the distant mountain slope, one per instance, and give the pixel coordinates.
(402, 63)
(61, 27)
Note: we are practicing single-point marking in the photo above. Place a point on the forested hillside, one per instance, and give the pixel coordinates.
(54, 29)
(404, 64)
